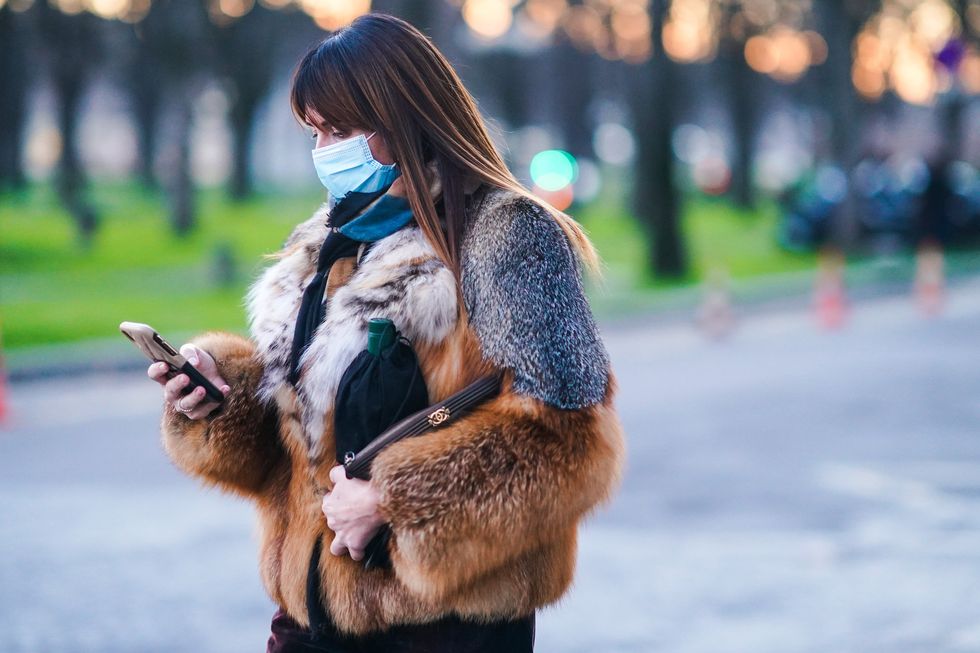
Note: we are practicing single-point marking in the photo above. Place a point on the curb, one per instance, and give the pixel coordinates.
(791, 292)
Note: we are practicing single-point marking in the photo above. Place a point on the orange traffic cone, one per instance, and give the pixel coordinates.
(930, 278)
(829, 298)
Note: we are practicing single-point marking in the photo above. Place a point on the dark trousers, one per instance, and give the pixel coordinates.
(450, 635)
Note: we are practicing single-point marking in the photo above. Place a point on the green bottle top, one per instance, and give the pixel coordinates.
(381, 334)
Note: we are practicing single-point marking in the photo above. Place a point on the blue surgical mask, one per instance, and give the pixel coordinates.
(349, 166)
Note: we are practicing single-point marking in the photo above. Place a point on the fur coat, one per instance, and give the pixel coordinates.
(484, 511)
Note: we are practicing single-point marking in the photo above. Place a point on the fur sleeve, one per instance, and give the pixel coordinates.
(511, 476)
(237, 444)
(521, 470)
(525, 299)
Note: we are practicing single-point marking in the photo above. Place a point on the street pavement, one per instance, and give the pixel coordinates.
(788, 490)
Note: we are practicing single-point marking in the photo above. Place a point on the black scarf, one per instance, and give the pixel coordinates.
(335, 246)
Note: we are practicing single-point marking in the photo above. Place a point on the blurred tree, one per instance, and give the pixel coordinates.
(743, 102)
(73, 50)
(423, 14)
(841, 22)
(954, 114)
(175, 35)
(142, 76)
(502, 74)
(653, 100)
(246, 50)
(13, 95)
(572, 66)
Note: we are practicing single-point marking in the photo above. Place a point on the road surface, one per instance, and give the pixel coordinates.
(789, 490)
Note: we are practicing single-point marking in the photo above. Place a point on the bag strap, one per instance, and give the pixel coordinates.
(431, 417)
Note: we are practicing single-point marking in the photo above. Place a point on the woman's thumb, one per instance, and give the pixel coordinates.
(189, 352)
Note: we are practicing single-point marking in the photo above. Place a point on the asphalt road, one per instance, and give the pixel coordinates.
(789, 490)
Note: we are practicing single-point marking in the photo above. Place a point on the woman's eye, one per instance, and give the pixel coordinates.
(339, 135)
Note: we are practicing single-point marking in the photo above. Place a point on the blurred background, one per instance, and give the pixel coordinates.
(786, 197)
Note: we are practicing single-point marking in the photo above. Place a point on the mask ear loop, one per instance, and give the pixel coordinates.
(380, 165)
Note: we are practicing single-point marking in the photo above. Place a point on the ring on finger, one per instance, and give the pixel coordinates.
(180, 408)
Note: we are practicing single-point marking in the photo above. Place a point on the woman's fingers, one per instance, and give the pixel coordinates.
(202, 410)
(158, 372)
(340, 547)
(175, 388)
(204, 363)
(192, 403)
(337, 474)
(337, 547)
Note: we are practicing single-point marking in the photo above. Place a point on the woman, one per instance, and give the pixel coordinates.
(480, 276)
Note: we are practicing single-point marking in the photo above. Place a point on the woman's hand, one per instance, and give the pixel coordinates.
(192, 404)
(352, 514)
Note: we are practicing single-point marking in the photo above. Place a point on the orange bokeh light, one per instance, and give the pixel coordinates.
(561, 199)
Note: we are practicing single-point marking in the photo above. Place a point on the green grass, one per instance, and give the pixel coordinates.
(52, 290)
(718, 238)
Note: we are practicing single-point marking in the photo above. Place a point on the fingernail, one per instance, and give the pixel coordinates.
(193, 360)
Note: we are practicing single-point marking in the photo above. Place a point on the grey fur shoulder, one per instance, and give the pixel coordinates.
(523, 291)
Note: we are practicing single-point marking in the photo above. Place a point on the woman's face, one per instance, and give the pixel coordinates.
(324, 135)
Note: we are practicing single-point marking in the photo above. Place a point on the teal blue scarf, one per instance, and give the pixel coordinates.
(385, 217)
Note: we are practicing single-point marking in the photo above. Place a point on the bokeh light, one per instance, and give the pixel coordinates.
(561, 199)
(589, 182)
(328, 14)
(334, 14)
(784, 53)
(898, 49)
(544, 15)
(488, 19)
(552, 170)
(614, 143)
(689, 33)
(969, 71)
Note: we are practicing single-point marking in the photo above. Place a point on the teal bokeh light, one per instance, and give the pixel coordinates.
(552, 170)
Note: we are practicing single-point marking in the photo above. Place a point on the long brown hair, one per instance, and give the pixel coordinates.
(381, 73)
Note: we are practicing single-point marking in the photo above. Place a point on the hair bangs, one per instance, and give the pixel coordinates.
(321, 94)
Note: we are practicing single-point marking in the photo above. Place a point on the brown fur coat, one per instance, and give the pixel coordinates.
(484, 512)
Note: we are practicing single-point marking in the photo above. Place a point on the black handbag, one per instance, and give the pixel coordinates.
(382, 385)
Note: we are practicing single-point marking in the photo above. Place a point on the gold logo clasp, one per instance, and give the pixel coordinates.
(438, 416)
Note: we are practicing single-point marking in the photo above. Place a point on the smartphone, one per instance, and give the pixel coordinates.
(157, 349)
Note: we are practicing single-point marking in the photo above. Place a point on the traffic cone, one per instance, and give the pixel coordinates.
(715, 315)
(930, 279)
(829, 298)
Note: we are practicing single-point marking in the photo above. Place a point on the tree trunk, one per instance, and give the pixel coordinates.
(743, 95)
(242, 127)
(72, 45)
(176, 35)
(575, 91)
(145, 95)
(656, 202)
(180, 189)
(845, 109)
(13, 97)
